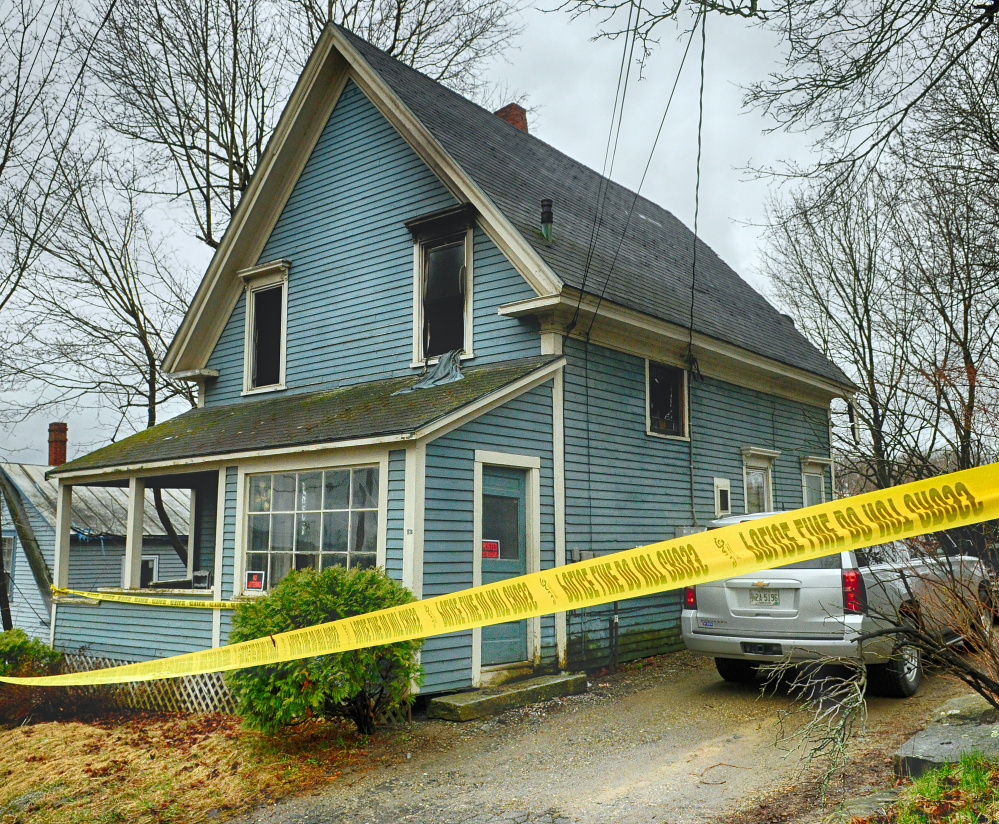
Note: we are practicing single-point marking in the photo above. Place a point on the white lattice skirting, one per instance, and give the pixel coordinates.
(190, 693)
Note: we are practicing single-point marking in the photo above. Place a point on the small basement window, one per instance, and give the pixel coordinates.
(444, 288)
(268, 311)
(666, 400)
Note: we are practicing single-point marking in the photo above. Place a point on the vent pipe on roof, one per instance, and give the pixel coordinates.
(57, 443)
(515, 115)
(547, 218)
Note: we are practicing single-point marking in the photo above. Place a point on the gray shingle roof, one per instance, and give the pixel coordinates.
(287, 420)
(653, 269)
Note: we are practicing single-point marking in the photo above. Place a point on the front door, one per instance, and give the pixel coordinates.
(504, 555)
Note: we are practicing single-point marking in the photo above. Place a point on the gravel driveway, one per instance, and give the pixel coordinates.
(670, 742)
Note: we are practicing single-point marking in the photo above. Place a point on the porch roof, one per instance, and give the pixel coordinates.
(349, 413)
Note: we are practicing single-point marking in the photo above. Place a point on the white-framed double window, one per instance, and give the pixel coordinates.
(442, 284)
(813, 479)
(757, 470)
(666, 407)
(265, 347)
(310, 519)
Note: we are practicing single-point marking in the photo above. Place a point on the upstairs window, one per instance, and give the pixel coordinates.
(667, 402)
(444, 286)
(266, 325)
(268, 312)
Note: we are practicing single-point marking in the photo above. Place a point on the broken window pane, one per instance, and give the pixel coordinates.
(666, 400)
(444, 298)
(268, 306)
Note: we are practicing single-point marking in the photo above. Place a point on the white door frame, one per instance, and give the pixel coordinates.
(532, 463)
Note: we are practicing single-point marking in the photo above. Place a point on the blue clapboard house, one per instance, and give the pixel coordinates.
(409, 354)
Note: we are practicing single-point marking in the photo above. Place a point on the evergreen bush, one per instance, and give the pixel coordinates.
(359, 684)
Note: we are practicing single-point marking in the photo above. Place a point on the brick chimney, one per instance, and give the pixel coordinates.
(57, 444)
(515, 115)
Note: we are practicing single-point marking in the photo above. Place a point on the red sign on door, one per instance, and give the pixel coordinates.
(490, 549)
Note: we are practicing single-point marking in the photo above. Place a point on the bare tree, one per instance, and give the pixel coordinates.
(198, 85)
(94, 322)
(37, 115)
(855, 71)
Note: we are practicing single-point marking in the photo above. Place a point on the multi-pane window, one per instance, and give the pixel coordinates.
(311, 520)
(666, 400)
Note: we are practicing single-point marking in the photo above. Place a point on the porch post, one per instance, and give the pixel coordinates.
(64, 521)
(133, 532)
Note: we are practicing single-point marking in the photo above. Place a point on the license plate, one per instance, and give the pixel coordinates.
(764, 597)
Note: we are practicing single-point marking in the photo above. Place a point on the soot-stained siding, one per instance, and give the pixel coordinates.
(350, 286)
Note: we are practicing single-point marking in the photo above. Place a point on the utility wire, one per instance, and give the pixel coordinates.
(641, 183)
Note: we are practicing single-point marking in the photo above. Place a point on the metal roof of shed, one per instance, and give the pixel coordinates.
(101, 510)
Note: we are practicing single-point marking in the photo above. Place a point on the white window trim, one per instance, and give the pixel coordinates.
(156, 567)
(255, 279)
(347, 459)
(754, 457)
(686, 404)
(532, 463)
(814, 465)
(418, 274)
(720, 484)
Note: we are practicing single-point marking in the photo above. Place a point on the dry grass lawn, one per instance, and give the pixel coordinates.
(158, 768)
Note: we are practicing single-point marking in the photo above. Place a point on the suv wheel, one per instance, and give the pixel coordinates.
(901, 676)
(735, 670)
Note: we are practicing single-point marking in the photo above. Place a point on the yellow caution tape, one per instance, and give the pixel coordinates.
(162, 601)
(945, 502)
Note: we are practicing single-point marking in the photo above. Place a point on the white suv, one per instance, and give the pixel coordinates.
(817, 608)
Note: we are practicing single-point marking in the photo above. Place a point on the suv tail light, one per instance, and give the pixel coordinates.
(854, 592)
(689, 598)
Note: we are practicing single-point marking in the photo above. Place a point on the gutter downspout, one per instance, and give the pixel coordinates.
(32, 551)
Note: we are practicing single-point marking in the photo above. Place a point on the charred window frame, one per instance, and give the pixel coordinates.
(266, 327)
(666, 401)
(442, 287)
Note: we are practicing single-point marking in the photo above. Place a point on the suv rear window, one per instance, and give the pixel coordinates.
(834, 561)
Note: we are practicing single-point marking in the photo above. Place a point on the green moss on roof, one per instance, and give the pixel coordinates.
(284, 420)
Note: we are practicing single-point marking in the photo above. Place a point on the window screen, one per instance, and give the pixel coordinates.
(7, 548)
(757, 481)
(268, 306)
(312, 520)
(444, 298)
(813, 488)
(665, 399)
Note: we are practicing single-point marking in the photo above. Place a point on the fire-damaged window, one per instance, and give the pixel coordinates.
(442, 287)
(667, 402)
(268, 306)
(444, 284)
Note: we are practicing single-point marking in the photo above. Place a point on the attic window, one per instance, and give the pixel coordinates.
(442, 293)
(266, 324)
(667, 403)
(444, 296)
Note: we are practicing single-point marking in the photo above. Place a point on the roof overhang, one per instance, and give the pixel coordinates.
(627, 330)
(426, 431)
(333, 62)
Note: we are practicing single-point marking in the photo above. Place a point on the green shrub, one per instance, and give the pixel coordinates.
(358, 684)
(21, 656)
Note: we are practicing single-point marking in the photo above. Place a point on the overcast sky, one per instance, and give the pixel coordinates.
(571, 80)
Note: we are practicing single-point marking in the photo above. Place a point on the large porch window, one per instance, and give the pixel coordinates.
(310, 520)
